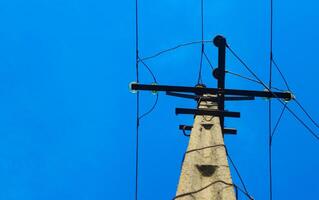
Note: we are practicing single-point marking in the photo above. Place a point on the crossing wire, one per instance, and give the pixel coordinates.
(267, 88)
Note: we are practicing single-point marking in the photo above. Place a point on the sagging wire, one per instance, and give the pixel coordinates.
(211, 184)
(157, 96)
(173, 48)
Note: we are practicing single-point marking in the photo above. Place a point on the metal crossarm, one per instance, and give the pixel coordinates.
(247, 93)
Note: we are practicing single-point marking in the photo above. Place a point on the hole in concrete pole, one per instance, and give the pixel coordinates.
(206, 170)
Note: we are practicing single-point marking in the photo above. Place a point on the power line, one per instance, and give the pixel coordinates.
(157, 96)
(270, 102)
(173, 48)
(278, 121)
(208, 60)
(237, 172)
(137, 101)
(247, 67)
(308, 115)
(200, 80)
(241, 76)
(267, 88)
(149, 70)
(250, 79)
(281, 74)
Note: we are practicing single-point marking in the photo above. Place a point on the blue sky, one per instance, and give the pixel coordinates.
(67, 120)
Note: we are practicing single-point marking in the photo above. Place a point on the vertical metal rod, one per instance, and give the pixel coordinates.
(220, 42)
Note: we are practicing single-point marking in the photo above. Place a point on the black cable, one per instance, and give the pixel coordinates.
(156, 100)
(173, 48)
(149, 70)
(281, 101)
(278, 121)
(247, 67)
(211, 184)
(237, 171)
(208, 60)
(200, 80)
(151, 109)
(308, 115)
(244, 191)
(281, 74)
(137, 102)
(270, 101)
(184, 132)
(250, 79)
(241, 76)
(203, 188)
(270, 144)
(288, 88)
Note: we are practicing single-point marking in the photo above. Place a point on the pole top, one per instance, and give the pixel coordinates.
(219, 41)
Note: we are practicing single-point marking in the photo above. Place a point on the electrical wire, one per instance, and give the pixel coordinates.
(288, 88)
(278, 121)
(246, 66)
(200, 80)
(241, 76)
(237, 171)
(281, 101)
(211, 184)
(270, 102)
(250, 79)
(149, 70)
(151, 109)
(308, 115)
(244, 191)
(281, 74)
(173, 48)
(137, 102)
(208, 60)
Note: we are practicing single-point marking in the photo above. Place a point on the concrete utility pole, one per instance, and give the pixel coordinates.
(205, 173)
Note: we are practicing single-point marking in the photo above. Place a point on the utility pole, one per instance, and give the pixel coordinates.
(205, 172)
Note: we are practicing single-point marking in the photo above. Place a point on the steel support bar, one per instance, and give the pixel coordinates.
(248, 93)
(248, 98)
(207, 112)
(230, 131)
(185, 127)
(213, 99)
(220, 43)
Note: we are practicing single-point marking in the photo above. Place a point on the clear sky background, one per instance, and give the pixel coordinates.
(67, 118)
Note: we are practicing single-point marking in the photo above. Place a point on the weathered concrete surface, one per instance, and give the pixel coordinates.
(205, 172)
